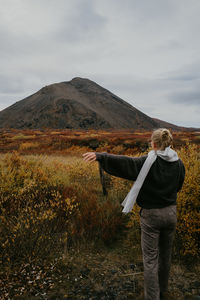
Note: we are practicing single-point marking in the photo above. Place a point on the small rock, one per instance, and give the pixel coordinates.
(132, 266)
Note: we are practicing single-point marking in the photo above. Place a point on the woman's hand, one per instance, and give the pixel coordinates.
(89, 156)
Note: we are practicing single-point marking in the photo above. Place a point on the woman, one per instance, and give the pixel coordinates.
(159, 176)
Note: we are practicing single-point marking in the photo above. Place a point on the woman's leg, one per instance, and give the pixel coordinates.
(150, 246)
(165, 248)
(157, 232)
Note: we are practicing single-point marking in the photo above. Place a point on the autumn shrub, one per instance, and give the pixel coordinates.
(22, 136)
(188, 204)
(75, 150)
(98, 220)
(47, 206)
(98, 216)
(34, 213)
(48, 203)
(28, 145)
(119, 149)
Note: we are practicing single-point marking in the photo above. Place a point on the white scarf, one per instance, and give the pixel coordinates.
(168, 154)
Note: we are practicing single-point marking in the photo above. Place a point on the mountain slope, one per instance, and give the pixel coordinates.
(76, 104)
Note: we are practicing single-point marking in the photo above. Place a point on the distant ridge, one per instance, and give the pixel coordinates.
(76, 104)
(163, 124)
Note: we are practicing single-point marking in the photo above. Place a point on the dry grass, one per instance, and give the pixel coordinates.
(39, 193)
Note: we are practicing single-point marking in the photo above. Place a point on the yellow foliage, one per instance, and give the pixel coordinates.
(48, 201)
(28, 146)
(22, 136)
(188, 203)
(32, 209)
(119, 149)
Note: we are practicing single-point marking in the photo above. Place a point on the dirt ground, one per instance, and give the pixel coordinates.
(111, 274)
(95, 272)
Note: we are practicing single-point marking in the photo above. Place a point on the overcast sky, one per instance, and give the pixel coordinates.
(145, 51)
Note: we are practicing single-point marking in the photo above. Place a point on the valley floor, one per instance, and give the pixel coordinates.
(109, 273)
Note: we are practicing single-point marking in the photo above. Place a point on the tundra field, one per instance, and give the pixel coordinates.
(64, 142)
(61, 238)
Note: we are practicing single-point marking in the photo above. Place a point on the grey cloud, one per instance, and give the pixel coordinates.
(14, 88)
(84, 23)
(73, 28)
(10, 85)
(184, 85)
(189, 72)
(160, 98)
(15, 46)
(142, 11)
(125, 46)
(186, 77)
(186, 97)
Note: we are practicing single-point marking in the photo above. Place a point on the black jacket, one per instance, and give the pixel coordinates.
(161, 184)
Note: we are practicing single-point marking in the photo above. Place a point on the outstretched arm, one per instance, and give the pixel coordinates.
(118, 165)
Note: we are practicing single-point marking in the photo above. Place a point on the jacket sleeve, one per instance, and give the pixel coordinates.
(120, 165)
(182, 175)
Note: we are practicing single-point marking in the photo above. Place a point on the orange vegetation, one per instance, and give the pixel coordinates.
(49, 202)
(67, 141)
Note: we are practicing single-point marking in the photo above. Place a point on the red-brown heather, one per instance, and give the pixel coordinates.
(66, 142)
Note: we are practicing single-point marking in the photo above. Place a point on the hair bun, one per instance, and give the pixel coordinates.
(165, 134)
(162, 137)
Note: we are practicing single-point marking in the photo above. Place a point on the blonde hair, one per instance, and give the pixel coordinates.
(162, 137)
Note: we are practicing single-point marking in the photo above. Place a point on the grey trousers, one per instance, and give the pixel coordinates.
(158, 227)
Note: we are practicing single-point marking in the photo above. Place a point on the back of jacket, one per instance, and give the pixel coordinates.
(161, 185)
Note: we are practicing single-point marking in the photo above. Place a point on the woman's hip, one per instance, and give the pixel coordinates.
(159, 218)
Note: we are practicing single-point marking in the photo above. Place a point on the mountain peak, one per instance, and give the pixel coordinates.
(77, 104)
(78, 79)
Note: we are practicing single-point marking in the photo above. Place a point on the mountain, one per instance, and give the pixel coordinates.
(76, 104)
